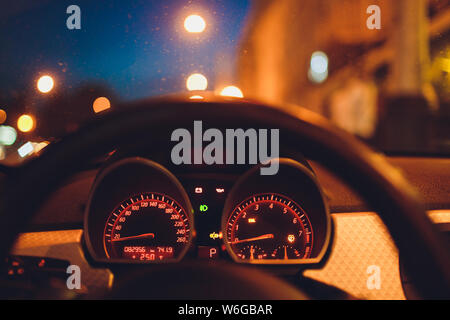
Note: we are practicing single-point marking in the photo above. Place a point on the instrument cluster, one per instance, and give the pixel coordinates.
(140, 213)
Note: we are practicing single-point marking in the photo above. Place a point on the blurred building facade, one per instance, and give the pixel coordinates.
(367, 67)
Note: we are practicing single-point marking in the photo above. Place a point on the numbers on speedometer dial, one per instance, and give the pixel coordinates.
(269, 227)
(147, 227)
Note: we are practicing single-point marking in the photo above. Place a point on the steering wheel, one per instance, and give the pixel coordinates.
(424, 253)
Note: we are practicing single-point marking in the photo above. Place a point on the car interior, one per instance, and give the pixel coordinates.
(225, 150)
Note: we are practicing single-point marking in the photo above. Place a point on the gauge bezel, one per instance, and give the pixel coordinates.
(237, 196)
(160, 172)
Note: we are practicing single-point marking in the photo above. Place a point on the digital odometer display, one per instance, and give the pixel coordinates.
(146, 253)
(147, 227)
(269, 227)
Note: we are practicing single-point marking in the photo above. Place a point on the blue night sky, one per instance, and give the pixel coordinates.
(136, 48)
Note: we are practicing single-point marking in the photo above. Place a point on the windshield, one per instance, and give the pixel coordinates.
(63, 64)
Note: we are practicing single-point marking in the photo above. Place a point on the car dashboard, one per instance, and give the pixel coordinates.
(136, 211)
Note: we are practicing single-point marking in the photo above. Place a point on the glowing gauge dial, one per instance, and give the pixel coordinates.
(147, 227)
(269, 227)
(251, 252)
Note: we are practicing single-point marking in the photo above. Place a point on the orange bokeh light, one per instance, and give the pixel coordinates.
(2, 116)
(101, 104)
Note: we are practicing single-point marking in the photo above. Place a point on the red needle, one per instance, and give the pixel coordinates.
(264, 236)
(140, 236)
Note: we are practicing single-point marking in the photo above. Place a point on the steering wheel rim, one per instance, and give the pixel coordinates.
(378, 183)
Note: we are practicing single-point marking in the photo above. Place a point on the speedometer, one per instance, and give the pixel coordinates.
(269, 227)
(147, 227)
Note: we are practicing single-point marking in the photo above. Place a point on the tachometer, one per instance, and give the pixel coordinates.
(269, 227)
(147, 227)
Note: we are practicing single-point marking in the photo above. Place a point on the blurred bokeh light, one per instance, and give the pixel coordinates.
(196, 81)
(25, 123)
(26, 149)
(318, 70)
(196, 97)
(232, 91)
(101, 104)
(8, 135)
(45, 84)
(194, 24)
(2, 116)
